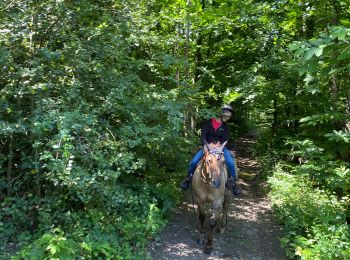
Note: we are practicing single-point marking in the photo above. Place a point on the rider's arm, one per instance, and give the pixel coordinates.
(204, 132)
(225, 135)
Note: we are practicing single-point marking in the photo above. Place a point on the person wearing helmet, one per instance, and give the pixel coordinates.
(216, 131)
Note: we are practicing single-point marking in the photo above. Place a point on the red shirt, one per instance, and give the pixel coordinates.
(215, 123)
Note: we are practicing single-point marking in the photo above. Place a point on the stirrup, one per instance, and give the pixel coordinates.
(236, 190)
(185, 185)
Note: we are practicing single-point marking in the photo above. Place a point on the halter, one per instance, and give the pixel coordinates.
(217, 153)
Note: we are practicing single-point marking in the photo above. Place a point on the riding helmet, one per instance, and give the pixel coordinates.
(226, 108)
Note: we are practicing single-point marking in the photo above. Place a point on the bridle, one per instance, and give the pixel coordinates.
(207, 169)
(217, 153)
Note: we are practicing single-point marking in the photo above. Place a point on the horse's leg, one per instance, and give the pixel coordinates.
(223, 220)
(201, 221)
(208, 247)
(225, 204)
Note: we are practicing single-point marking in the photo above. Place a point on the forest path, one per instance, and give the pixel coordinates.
(251, 232)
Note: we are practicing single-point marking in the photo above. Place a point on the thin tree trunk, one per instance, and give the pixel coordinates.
(274, 123)
(176, 51)
(334, 91)
(34, 27)
(334, 88)
(337, 12)
(10, 164)
(347, 124)
(189, 115)
(188, 24)
(34, 45)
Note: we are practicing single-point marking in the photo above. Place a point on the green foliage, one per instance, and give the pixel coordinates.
(50, 246)
(314, 221)
(297, 90)
(98, 97)
(91, 125)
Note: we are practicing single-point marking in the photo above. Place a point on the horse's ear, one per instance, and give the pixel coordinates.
(221, 148)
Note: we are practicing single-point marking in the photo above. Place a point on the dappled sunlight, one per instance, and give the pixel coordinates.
(180, 250)
(249, 210)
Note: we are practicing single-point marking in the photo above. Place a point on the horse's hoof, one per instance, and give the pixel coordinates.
(222, 231)
(200, 242)
(207, 250)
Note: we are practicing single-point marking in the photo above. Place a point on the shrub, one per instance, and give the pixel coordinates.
(314, 220)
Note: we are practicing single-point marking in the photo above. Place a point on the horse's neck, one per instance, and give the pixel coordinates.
(204, 176)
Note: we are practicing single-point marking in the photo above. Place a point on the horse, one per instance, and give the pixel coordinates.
(208, 186)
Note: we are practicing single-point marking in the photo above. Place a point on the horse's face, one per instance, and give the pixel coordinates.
(213, 167)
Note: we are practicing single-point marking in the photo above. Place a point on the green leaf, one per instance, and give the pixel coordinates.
(339, 32)
(53, 249)
(318, 52)
(317, 42)
(336, 71)
(294, 46)
(345, 22)
(309, 78)
(344, 55)
(310, 53)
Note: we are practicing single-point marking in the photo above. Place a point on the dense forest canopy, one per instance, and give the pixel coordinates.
(102, 101)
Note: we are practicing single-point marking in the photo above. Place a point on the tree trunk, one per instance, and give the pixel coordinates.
(198, 57)
(274, 123)
(10, 164)
(189, 80)
(347, 124)
(34, 45)
(176, 51)
(188, 24)
(337, 11)
(334, 91)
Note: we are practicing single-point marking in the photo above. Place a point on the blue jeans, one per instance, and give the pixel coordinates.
(229, 161)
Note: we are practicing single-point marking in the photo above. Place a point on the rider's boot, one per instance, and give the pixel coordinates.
(185, 185)
(231, 184)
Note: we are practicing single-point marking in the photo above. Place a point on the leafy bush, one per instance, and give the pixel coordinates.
(89, 133)
(52, 245)
(100, 232)
(314, 220)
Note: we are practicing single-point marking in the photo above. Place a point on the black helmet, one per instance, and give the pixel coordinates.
(226, 108)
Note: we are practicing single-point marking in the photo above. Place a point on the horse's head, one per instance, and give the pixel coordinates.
(213, 164)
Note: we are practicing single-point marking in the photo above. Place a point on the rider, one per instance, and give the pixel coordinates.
(216, 131)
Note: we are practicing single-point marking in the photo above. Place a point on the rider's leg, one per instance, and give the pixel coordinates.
(186, 183)
(230, 163)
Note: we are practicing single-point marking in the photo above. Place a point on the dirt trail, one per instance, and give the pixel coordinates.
(251, 232)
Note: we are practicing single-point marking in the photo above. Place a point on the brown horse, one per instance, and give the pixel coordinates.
(208, 186)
